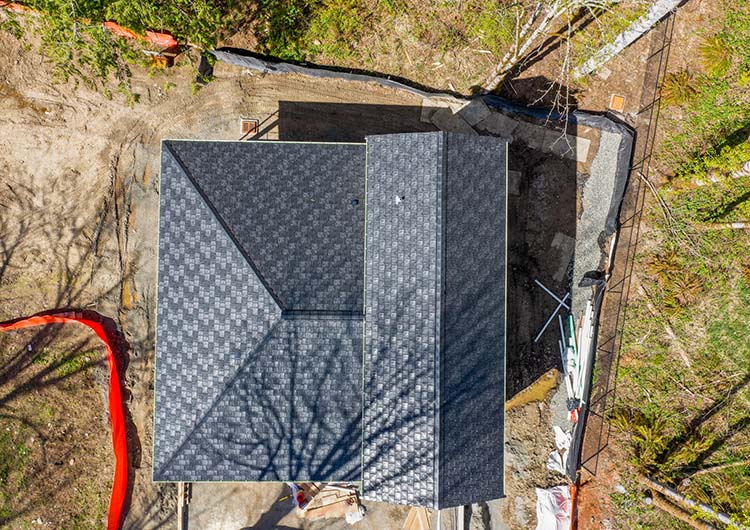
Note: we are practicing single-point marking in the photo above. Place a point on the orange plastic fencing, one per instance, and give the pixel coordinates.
(13, 6)
(117, 417)
(121, 31)
(165, 40)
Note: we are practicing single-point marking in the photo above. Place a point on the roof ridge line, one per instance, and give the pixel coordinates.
(225, 227)
(442, 208)
(230, 382)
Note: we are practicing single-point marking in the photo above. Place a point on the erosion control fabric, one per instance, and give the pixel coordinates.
(119, 442)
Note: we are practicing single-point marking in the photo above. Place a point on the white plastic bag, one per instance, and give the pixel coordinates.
(553, 507)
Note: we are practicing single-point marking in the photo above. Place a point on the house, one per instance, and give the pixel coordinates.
(334, 312)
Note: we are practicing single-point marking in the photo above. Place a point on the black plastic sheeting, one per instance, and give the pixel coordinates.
(252, 61)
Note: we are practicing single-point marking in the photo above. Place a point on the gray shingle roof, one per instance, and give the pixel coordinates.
(261, 345)
(296, 210)
(228, 365)
(435, 319)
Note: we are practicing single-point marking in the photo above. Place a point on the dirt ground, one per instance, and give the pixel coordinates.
(79, 192)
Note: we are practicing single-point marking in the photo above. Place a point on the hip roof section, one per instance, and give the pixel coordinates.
(296, 210)
(334, 312)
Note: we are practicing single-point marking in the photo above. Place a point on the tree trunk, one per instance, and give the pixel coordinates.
(658, 10)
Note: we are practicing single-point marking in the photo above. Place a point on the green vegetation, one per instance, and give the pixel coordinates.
(335, 27)
(13, 458)
(81, 49)
(684, 375)
(679, 88)
(719, 108)
(689, 424)
(607, 25)
(76, 363)
(716, 55)
(493, 24)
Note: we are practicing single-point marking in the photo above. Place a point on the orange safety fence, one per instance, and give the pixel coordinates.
(158, 38)
(120, 31)
(116, 414)
(14, 6)
(163, 39)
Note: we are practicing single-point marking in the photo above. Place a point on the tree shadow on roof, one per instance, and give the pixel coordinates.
(541, 204)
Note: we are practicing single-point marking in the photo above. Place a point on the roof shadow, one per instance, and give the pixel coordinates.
(310, 121)
(541, 217)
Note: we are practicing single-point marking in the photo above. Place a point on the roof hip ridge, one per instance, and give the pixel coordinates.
(225, 226)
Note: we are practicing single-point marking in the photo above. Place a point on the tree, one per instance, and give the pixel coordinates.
(536, 24)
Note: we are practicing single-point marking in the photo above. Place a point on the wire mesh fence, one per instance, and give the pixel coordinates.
(612, 317)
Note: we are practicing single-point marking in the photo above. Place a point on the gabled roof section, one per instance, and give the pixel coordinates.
(435, 319)
(296, 211)
(402, 324)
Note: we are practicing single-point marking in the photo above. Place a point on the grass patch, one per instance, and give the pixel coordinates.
(685, 424)
(75, 363)
(335, 28)
(14, 457)
(718, 106)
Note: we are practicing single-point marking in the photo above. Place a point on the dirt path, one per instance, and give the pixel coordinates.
(79, 196)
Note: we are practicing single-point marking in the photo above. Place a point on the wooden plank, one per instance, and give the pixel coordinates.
(417, 519)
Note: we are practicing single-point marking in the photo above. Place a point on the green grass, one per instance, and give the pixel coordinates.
(13, 460)
(720, 106)
(76, 363)
(493, 24)
(662, 403)
(335, 27)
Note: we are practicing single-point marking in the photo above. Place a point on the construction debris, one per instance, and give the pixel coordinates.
(418, 519)
(317, 501)
(553, 508)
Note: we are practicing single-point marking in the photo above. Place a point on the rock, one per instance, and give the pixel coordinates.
(566, 145)
(530, 134)
(474, 111)
(563, 247)
(514, 182)
(429, 106)
(445, 120)
(498, 124)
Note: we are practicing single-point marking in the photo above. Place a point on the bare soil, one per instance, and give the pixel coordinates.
(79, 198)
(56, 440)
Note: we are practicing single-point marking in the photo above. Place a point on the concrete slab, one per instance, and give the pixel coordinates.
(530, 134)
(445, 120)
(558, 143)
(257, 506)
(514, 182)
(566, 145)
(498, 124)
(563, 247)
(583, 145)
(429, 106)
(474, 111)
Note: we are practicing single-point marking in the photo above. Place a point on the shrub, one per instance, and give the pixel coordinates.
(716, 56)
(334, 27)
(679, 88)
(284, 23)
